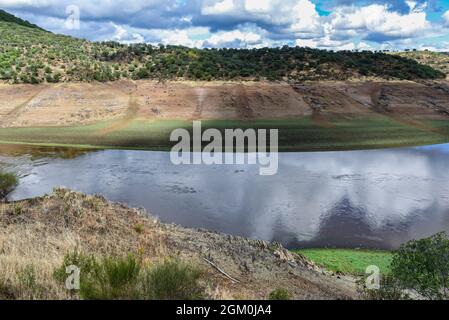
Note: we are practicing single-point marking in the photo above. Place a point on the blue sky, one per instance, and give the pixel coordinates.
(327, 24)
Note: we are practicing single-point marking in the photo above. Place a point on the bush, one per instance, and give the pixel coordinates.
(280, 294)
(28, 285)
(115, 278)
(419, 266)
(423, 266)
(172, 280)
(8, 182)
(111, 279)
(390, 289)
(108, 279)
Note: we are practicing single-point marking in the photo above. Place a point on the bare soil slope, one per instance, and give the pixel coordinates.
(82, 103)
(40, 232)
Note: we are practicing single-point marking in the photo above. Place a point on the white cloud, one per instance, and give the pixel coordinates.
(258, 5)
(446, 17)
(220, 7)
(378, 20)
(244, 23)
(232, 38)
(124, 36)
(179, 38)
(307, 17)
(327, 43)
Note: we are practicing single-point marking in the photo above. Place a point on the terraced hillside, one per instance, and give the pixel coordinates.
(330, 115)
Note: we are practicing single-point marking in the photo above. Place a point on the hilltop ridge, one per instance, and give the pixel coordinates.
(7, 17)
(437, 60)
(28, 54)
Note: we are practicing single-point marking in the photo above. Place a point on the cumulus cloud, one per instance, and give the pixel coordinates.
(124, 36)
(242, 23)
(378, 23)
(276, 16)
(446, 18)
(235, 38)
(219, 8)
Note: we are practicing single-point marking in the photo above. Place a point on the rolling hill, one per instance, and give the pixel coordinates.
(7, 17)
(29, 54)
(437, 60)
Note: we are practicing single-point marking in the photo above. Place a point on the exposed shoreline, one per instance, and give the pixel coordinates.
(310, 116)
(294, 135)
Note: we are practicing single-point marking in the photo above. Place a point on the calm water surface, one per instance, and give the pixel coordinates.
(373, 199)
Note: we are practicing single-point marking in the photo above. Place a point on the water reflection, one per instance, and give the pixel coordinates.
(374, 199)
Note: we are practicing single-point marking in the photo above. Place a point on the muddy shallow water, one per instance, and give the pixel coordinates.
(373, 199)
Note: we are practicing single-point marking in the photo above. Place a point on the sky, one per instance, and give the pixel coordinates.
(325, 24)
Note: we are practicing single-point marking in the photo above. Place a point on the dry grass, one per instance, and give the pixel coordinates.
(37, 237)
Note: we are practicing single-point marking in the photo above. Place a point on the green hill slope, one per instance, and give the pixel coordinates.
(7, 17)
(437, 60)
(29, 54)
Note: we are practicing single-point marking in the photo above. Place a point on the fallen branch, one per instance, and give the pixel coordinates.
(221, 271)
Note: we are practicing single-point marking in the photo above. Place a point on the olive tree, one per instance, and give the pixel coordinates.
(423, 265)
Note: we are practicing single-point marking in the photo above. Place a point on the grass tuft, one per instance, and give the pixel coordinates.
(280, 294)
(117, 278)
(172, 280)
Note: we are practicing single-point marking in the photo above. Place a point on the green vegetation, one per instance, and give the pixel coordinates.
(116, 278)
(28, 284)
(8, 182)
(27, 287)
(280, 294)
(294, 134)
(172, 280)
(29, 54)
(7, 17)
(390, 289)
(423, 266)
(419, 266)
(437, 60)
(349, 261)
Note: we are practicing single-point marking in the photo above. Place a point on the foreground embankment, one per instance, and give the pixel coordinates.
(38, 234)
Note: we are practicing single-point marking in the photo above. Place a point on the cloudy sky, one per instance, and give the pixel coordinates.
(327, 24)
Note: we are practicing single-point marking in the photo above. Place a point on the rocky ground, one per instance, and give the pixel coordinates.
(40, 232)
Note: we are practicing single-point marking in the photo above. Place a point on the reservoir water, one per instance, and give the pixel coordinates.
(352, 199)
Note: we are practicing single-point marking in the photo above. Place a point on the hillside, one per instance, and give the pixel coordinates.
(29, 54)
(437, 60)
(44, 230)
(322, 115)
(7, 17)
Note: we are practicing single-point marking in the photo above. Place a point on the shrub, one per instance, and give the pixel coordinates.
(280, 294)
(110, 278)
(116, 278)
(8, 182)
(172, 280)
(390, 289)
(139, 228)
(28, 286)
(423, 266)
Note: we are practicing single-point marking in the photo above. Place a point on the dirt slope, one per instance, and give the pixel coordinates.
(41, 231)
(80, 103)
